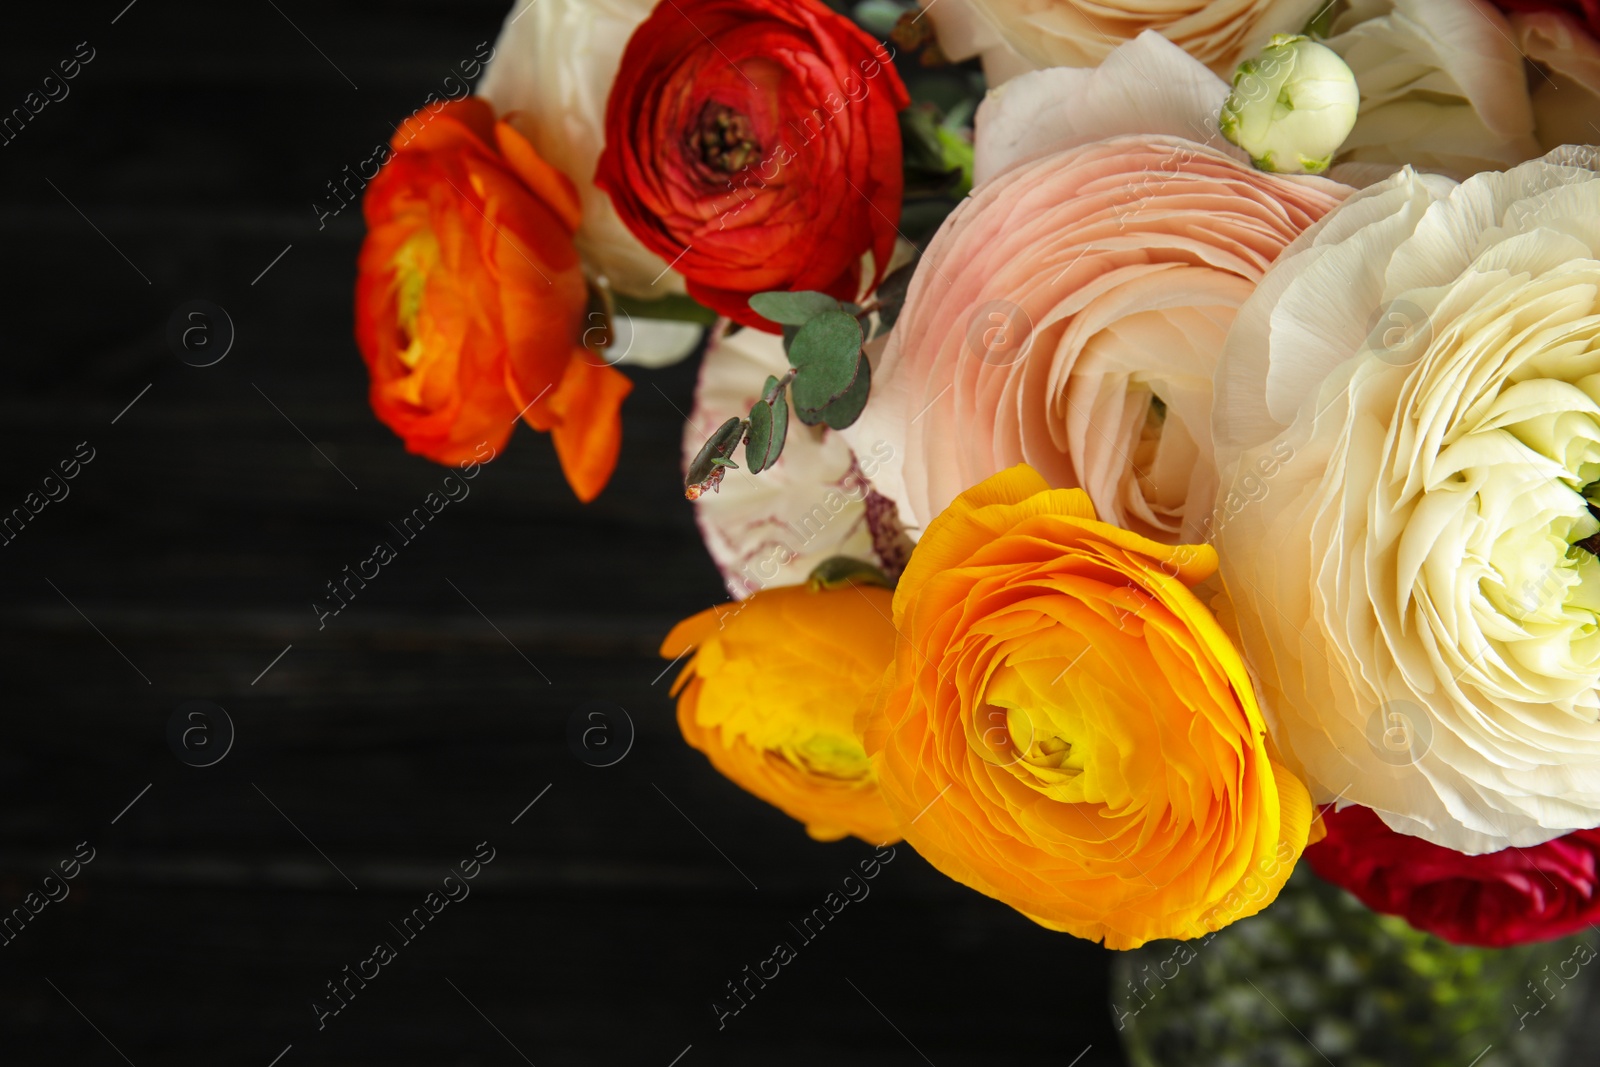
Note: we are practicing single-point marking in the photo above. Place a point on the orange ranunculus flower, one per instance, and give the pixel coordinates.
(470, 302)
(771, 697)
(1067, 729)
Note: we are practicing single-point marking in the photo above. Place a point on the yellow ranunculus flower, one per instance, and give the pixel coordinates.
(771, 696)
(1067, 729)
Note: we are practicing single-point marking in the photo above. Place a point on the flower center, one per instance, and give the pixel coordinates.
(1047, 756)
(1546, 561)
(828, 756)
(413, 262)
(1591, 544)
(723, 139)
(1504, 531)
(1031, 724)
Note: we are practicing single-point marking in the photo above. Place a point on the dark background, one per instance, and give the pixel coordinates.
(188, 555)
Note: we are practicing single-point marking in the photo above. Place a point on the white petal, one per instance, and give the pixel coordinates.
(652, 343)
(1147, 86)
(1442, 82)
(552, 67)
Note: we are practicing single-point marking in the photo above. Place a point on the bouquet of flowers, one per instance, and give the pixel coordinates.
(1145, 443)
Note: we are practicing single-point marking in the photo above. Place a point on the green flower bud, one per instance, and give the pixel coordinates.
(1292, 106)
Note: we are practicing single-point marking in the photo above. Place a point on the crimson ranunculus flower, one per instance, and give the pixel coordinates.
(1501, 898)
(754, 145)
(1587, 10)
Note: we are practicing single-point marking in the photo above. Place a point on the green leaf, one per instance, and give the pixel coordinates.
(769, 426)
(836, 572)
(825, 355)
(675, 307)
(958, 116)
(880, 16)
(792, 309)
(919, 135)
(759, 443)
(956, 152)
(847, 409)
(844, 410)
(1321, 24)
(938, 155)
(891, 294)
(773, 389)
(808, 418)
(706, 470)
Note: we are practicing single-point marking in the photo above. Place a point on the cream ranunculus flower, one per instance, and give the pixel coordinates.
(1566, 78)
(553, 67)
(1069, 314)
(1068, 33)
(818, 501)
(963, 32)
(1442, 85)
(1414, 585)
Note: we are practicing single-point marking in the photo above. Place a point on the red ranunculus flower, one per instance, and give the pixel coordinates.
(1586, 10)
(754, 145)
(1502, 898)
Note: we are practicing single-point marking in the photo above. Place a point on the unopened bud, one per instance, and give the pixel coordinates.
(1292, 106)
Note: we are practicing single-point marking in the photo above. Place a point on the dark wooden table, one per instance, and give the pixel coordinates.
(370, 756)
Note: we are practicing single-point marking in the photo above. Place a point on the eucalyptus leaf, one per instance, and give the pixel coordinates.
(847, 409)
(807, 417)
(891, 294)
(759, 442)
(825, 355)
(792, 309)
(769, 426)
(713, 455)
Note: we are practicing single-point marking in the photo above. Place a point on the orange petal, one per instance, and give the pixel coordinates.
(584, 416)
(547, 183)
(467, 119)
(693, 630)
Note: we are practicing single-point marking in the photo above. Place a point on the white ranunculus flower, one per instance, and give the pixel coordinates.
(1423, 370)
(1442, 85)
(553, 65)
(817, 501)
(1566, 78)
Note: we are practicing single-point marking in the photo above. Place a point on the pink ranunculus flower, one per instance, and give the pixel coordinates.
(1070, 314)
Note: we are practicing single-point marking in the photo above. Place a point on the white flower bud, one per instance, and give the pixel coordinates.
(1292, 106)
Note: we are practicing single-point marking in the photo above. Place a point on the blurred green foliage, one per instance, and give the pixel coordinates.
(1317, 979)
